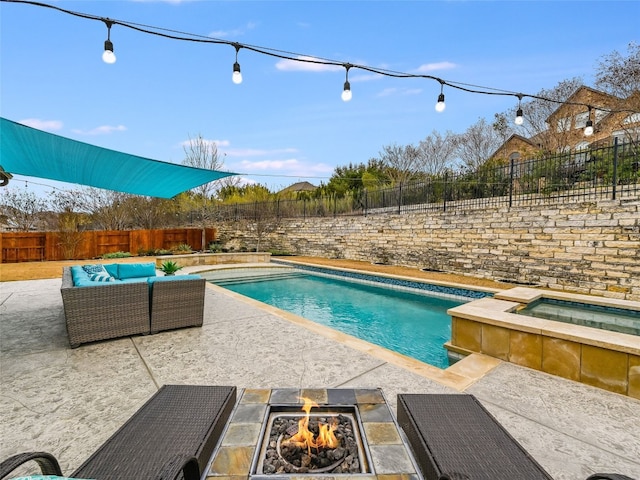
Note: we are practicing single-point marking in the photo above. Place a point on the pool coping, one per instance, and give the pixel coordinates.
(459, 376)
(497, 311)
(600, 358)
(479, 291)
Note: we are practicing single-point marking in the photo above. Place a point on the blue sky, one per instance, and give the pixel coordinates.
(286, 124)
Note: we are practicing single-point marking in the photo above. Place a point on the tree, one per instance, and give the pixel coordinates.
(619, 75)
(402, 164)
(245, 194)
(477, 144)
(436, 153)
(105, 209)
(23, 209)
(201, 153)
(353, 178)
(108, 208)
(70, 219)
(149, 212)
(536, 112)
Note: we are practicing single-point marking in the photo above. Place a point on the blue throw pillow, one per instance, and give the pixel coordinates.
(112, 269)
(91, 269)
(101, 277)
(136, 270)
(78, 275)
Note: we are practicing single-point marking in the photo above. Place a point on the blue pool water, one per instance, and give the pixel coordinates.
(412, 324)
(588, 315)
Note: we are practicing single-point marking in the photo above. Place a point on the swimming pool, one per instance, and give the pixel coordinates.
(406, 322)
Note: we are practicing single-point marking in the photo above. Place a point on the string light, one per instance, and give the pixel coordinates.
(237, 76)
(346, 92)
(108, 56)
(440, 105)
(588, 129)
(519, 120)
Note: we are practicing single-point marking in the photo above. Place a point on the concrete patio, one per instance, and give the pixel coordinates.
(68, 402)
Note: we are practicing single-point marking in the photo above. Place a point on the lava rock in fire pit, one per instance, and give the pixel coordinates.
(284, 457)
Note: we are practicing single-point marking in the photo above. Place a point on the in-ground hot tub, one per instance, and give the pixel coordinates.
(602, 358)
(614, 319)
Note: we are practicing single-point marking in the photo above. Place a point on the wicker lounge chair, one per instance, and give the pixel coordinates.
(105, 311)
(454, 436)
(177, 304)
(171, 435)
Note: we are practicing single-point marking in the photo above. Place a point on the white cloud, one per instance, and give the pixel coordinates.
(387, 92)
(236, 32)
(270, 164)
(253, 152)
(305, 64)
(432, 67)
(364, 77)
(48, 125)
(101, 130)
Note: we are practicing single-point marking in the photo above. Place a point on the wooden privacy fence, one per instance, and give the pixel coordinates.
(41, 246)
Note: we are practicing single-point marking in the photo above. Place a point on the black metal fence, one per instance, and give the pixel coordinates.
(607, 172)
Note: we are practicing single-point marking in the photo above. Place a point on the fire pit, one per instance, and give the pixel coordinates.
(273, 434)
(327, 441)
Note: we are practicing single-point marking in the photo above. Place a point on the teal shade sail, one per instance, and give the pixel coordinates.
(34, 153)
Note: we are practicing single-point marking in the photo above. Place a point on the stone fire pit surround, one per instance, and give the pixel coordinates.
(388, 453)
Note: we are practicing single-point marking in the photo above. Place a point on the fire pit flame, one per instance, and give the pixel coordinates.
(305, 438)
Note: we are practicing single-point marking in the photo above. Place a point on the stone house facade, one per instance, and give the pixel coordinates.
(566, 126)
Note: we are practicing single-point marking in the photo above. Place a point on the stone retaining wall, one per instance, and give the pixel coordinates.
(591, 247)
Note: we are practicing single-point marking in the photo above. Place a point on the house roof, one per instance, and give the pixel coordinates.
(514, 136)
(299, 187)
(34, 153)
(581, 90)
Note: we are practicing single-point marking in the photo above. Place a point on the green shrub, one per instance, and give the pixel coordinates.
(280, 253)
(170, 267)
(215, 247)
(117, 255)
(183, 247)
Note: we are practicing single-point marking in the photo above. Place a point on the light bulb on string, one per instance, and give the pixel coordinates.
(346, 92)
(519, 119)
(440, 105)
(237, 76)
(588, 129)
(108, 56)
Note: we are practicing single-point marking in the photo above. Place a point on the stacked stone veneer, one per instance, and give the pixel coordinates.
(590, 247)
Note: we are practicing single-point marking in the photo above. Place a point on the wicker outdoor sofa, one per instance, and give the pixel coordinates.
(138, 305)
(172, 436)
(453, 437)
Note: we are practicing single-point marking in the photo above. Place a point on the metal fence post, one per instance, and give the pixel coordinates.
(366, 201)
(444, 192)
(615, 168)
(511, 163)
(400, 198)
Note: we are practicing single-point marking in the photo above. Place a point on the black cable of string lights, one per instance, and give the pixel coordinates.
(302, 58)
